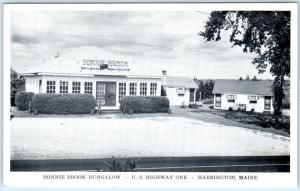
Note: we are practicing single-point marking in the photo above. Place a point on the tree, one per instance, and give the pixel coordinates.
(163, 92)
(16, 85)
(247, 77)
(266, 33)
(205, 87)
(254, 78)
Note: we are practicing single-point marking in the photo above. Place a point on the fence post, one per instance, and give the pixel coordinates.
(98, 107)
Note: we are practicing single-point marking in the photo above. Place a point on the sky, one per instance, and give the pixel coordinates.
(159, 40)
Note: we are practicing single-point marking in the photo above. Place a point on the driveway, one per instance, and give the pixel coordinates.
(79, 138)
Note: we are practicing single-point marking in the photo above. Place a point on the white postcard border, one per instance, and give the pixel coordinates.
(35, 179)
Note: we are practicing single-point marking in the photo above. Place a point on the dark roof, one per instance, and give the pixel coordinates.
(179, 81)
(261, 87)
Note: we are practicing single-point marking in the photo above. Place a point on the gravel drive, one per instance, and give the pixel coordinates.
(76, 138)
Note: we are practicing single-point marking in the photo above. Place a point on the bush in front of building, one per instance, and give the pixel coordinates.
(63, 103)
(136, 104)
(22, 100)
(144, 104)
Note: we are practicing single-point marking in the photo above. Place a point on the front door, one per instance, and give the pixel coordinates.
(217, 100)
(267, 102)
(106, 93)
(192, 95)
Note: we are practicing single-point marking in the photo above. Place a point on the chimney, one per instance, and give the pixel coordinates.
(164, 73)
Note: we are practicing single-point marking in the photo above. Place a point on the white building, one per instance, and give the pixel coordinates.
(246, 95)
(91, 70)
(179, 90)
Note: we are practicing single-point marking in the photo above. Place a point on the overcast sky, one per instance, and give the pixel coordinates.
(167, 40)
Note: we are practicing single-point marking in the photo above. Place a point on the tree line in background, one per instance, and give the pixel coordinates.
(205, 89)
(254, 78)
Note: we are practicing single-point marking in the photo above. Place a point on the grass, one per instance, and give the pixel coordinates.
(265, 121)
(249, 119)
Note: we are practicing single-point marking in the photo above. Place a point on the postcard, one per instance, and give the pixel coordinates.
(150, 95)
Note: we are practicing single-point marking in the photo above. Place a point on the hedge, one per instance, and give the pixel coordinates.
(63, 103)
(144, 104)
(22, 100)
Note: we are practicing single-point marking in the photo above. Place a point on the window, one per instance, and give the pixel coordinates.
(180, 91)
(132, 89)
(63, 87)
(253, 99)
(101, 90)
(122, 91)
(231, 98)
(88, 87)
(153, 88)
(50, 87)
(76, 87)
(267, 102)
(143, 89)
(218, 100)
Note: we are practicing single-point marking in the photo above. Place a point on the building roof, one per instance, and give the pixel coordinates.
(179, 81)
(261, 87)
(87, 60)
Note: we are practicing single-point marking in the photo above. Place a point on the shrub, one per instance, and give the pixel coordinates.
(159, 104)
(211, 107)
(22, 100)
(121, 165)
(193, 106)
(144, 104)
(63, 103)
(16, 85)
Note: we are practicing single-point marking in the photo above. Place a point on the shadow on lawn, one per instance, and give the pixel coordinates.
(262, 120)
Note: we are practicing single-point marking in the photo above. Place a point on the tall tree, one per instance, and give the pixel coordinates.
(205, 87)
(16, 85)
(266, 33)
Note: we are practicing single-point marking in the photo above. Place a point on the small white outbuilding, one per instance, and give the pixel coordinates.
(179, 90)
(247, 95)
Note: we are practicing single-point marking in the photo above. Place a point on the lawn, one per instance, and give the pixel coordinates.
(256, 121)
(121, 135)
